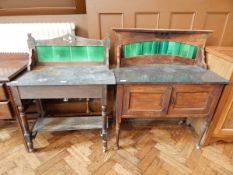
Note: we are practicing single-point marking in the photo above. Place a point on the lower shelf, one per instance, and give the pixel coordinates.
(67, 123)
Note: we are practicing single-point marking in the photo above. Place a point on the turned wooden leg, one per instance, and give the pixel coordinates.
(118, 114)
(104, 127)
(118, 125)
(25, 128)
(202, 132)
(88, 110)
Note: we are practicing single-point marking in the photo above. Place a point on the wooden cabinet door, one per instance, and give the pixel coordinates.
(194, 100)
(146, 100)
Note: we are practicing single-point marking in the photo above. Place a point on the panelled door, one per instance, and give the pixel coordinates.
(192, 100)
(146, 100)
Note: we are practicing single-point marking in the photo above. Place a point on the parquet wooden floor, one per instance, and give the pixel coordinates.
(150, 150)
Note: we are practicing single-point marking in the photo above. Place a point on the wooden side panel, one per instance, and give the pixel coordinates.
(228, 124)
(220, 66)
(146, 100)
(221, 127)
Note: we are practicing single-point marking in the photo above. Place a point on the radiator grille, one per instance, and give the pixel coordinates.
(13, 37)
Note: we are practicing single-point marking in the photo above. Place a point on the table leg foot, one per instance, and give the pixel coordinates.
(198, 146)
(104, 141)
(202, 132)
(105, 146)
(25, 129)
(116, 147)
(117, 136)
(104, 134)
(30, 150)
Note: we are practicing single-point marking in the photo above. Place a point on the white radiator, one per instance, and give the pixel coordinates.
(13, 37)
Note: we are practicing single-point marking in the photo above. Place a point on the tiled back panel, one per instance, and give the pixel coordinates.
(159, 47)
(70, 53)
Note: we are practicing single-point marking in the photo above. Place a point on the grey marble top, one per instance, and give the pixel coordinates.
(95, 75)
(166, 74)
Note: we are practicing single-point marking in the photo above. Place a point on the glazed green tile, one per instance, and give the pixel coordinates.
(125, 51)
(61, 53)
(192, 52)
(149, 47)
(78, 53)
(187, 51)
(155, 47)
(87, 53)
(184, 49)
(44, 53)
(53, 53)
(132, 50)
(136, 49)
(173, 48)
(163, 45)
(95, 53)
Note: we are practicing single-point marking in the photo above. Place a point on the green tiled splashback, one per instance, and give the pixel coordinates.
(159, 47)
(70, 53)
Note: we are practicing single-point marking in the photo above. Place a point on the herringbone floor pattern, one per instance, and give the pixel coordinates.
(154, 149)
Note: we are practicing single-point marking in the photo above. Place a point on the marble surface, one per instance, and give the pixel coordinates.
(166, 74)
(95, 75)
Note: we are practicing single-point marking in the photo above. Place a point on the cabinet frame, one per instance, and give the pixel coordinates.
(136, 66)
(123, 100)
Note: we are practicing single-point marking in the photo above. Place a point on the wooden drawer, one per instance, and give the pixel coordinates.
(146, 100)
(2, 93)
(5, 112)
